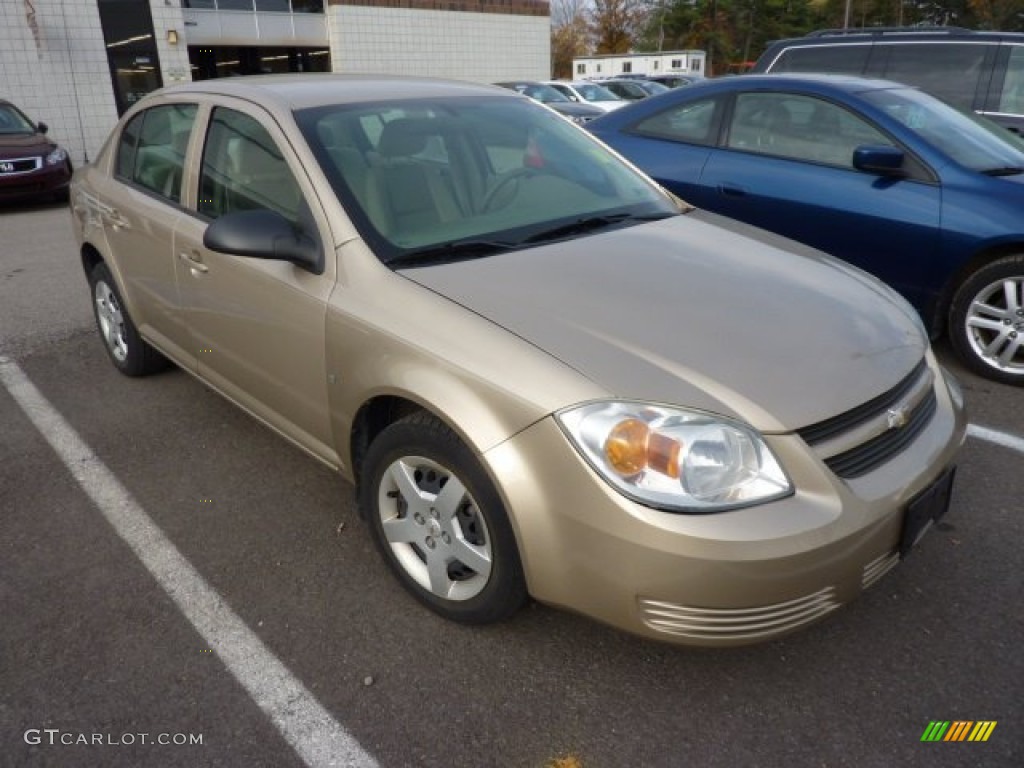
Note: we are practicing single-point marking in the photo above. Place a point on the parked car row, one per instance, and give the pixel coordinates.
(591, 98)
(544, 374)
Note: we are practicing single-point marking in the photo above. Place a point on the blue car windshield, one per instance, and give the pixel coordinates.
(971, 141)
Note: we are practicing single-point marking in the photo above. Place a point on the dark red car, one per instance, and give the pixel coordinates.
(31, 165)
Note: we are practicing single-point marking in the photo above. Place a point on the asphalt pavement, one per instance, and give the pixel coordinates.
(280, 639)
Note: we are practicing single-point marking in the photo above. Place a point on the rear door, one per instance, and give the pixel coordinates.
(139, 208)
(786, 165)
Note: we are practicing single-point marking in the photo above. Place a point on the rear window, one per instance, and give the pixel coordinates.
(950, 71)
(837, 59)
(1011, 99)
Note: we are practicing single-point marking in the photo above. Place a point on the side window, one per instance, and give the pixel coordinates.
(690, 123)
(838, 59)
(159, 155)
(946, 70)
(127, 146)
(800, 128)
(1011, 100)
(243, 170)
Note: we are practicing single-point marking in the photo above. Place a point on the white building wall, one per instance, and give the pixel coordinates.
(60, 76)
(174, 64)
(481, 47)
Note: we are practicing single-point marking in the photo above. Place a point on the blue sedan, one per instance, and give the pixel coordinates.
(926, 197)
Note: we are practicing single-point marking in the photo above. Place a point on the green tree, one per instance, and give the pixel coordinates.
(616, 24)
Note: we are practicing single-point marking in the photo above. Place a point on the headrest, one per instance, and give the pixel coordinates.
(407, 136)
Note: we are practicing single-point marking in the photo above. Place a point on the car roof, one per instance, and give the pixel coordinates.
(847, 83)
(892, 34)
(298, 91)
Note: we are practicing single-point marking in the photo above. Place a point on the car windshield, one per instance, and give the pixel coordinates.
(13, 121)
(592, 92)
(462, 177)
(973, 142)
(545, 94)
(653, 87)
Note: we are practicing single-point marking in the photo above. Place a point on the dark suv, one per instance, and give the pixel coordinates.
(980, 71)
(31, 165)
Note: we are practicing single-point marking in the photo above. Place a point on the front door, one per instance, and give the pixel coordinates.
(258, 325)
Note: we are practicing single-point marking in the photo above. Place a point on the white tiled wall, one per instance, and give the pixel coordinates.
(483, 47)
(64, 80)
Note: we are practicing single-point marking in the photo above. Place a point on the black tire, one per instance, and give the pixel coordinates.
(423, 541)
(986, 325)
(127, 351)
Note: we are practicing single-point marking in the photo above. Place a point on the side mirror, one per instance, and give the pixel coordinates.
(881, 159)
(42, 127)
(264, 234)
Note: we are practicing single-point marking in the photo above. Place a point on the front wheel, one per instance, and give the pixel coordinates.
(439, 522)
(987, 320)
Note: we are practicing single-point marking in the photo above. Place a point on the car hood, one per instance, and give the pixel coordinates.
(575, 110)
(15, 145)
(702, 312)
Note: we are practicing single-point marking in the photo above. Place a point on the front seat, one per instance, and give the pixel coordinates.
(408, 195)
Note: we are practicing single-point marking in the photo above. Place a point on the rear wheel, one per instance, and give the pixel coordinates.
(129, 353)
(439, 522)
(987, 320)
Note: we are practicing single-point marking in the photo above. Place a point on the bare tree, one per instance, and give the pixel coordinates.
(570, 34)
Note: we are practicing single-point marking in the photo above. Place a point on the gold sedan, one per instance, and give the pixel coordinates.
(545, 376)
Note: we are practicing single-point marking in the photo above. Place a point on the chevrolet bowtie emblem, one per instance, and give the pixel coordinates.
(896, 418)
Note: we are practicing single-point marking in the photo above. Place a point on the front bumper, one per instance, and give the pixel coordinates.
(46, 180)
(727, 578)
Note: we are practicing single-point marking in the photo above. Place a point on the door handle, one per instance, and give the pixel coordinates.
(195, 263)
(731, 190)
(115, 219)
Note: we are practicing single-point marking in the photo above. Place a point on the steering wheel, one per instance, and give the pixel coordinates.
(515, 174)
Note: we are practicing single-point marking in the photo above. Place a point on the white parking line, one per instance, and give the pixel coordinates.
(1005, 439)
(303, 722)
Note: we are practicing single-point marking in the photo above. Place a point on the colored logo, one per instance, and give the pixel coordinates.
(958, 730)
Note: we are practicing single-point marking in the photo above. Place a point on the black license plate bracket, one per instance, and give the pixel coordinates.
(927, 507)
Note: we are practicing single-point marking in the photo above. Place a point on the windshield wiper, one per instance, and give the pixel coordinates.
(457, 250)
(590, 223)
(1008, 170)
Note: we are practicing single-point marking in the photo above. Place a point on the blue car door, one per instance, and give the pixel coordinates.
(785, 164)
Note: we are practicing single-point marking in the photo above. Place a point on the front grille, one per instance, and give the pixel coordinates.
(825, 430)
(21, 165)
(864, 458)
(738, 624)
(863, 438)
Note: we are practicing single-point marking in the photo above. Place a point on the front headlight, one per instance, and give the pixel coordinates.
(675, 459)
(56, 157)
